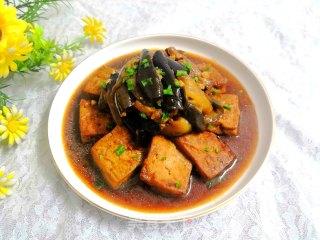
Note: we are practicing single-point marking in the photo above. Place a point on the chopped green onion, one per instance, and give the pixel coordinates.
(215, 91)
(129, 83)
(136, 156)
(120, 149)
(160, 71)
(163, 158)
(188, 66)
(111, 126)
(168, 90)
(143, 115)
(177, 83)
(177, 184)
(159, 103)
(210, 126)
(165, 116)
(208, 68)
(130, 71)
(103, 84)
(226, 106)
(196, 79)
(145, 63)
(146, 82)
(100, 157)
(216, 150)
(99, 183)
(181, 73)
(206, 149)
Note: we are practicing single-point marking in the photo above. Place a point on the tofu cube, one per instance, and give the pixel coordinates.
(165, 168)
(93, 123)
(116, 156)
(209, 154)
(93, 84)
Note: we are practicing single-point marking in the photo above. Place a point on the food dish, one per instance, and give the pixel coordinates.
(154, 42)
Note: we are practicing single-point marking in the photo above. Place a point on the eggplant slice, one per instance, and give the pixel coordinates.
(171, 102)
(147, 78)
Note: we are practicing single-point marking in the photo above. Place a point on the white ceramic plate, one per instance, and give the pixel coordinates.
(237, 67)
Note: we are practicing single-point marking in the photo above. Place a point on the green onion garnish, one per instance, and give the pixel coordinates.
(168, 90)
(100, 157)
(120, 149)
(129, 83)
(99, 183)
(143, 115)
(206, 149)
(103, 84)
(177, 83)
(177, 184)
(216, 150)
(215, 91)
(159, 103)
(165, 116)
(146, 82)
(226, 106)
(196, 79)
(188, 66)
(145, 63)
(210, 126)
(163, 158)
(181, 73)
(130, 71)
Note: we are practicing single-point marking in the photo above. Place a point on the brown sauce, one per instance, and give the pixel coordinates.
(137, 195)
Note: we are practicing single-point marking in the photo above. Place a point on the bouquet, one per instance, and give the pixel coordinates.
(23, 50)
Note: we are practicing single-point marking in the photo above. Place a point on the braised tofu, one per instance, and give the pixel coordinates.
(98, 79)
(116, 156)
(209, 154)
(165, 168)
(93, 123)
(228, 124)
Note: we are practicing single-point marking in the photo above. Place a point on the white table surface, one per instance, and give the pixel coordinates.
(279, 39)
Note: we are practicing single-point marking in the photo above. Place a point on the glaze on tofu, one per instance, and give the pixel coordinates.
(209, 154)
(165, 168)
(117, 156)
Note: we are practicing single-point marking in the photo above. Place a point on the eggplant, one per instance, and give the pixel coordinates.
(147, 78)
(142, 129)
(171, 102)
(214, 116)
(103, 103)
(123, 98)
(175, 66)
(194, 116)
(119, 98)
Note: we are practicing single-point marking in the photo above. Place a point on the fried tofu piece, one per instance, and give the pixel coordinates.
(93, 123)
(165, 168)
(116, 156)
(229, 122)
(93, 85)
(209, 154)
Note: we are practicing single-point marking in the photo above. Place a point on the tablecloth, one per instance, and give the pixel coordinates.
(279, 39)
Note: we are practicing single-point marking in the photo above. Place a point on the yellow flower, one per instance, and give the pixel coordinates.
(9, 24)
(11, 50)
(6, 182)
(94, 29)
(13, 125)
(61, 69)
